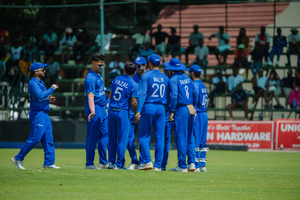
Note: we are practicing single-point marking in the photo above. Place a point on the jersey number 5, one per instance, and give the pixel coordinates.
(117, 96)
(161, 89)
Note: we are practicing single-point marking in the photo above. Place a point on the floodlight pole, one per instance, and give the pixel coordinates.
(102, 36)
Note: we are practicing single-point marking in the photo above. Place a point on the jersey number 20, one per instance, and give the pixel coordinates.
(161, 89)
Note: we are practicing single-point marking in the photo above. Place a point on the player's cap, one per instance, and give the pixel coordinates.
(241, 46)
(69, 30)
(140, 61)
(106, 89)
(36, 65)
(294, 29)
(175, 65)
(194, 68)
(154, 59)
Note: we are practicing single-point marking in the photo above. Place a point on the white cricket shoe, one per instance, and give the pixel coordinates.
(146, 166)
(100, 166)
(110, 166)
(197, 170)
(132, 166)
(18, 163)
(116, 167)
(51, 167)
(270, 63)
(157, 169)
(277, 63)
(90, 167)
(191, 167)
(203, 169)
(178, 169)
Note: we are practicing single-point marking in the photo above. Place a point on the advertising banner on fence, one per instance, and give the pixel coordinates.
(287, 134)
(254, 134)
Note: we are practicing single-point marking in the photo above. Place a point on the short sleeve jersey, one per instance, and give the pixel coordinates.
(93, 83)
(202, 100)
(123, 88)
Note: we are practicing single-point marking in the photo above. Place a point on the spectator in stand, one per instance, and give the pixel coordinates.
(83, 44)
(193, 42)
(67, 43)
(279, 41)
(243, 39)
(241, 59)
(24, 65)
(234, 80)
(116, 67)
(53, 68)
(16, 52)
(259, 86)
(49, 43)
(30, 50)
(257, 56)
(160, 41)
(271, 88)
(4, 36)
(107, 40)
(140, 39)
(239, 99)
(173, 42)
(263, 39)
(224, 47)
(286, 87)
(146, 51)
(219, 83)
(294, 46)
(295, 93)
(201, 52)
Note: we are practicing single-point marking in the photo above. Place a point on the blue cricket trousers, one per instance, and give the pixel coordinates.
(96, 133)
(168, 132)
(118, 120)
(184, 136)
(276, 49)
(41, 131)
(131, 138)
(152, 114)
(200, 133)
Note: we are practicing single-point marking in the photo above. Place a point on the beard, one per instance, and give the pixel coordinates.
(42, 76)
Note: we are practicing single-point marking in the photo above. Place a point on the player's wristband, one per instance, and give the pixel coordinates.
(55, 87)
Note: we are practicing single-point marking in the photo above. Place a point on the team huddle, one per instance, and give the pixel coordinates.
(148, 98)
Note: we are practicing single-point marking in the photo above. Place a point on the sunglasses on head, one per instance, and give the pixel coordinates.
(99, 65)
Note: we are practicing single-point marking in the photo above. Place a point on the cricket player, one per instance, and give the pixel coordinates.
(184, 97)
(152, 99)
(96, 114)
(124, 90)
(41, 127)
(201, 120)
(141, 65)
(168, 132)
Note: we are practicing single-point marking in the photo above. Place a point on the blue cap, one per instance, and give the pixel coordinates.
(175, 65)
(36, 65)
(154, 59)
(194, 68)
(140, 61)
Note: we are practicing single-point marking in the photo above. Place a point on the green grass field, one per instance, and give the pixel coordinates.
(231, 175)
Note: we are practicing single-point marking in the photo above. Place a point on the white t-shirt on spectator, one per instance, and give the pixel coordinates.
(70, 41)
(195, 37)
(107, 40)
(50, 40)
(216, 80)
(261, 82)
(221, 41)
(201, 52)
(234, 81)
(113, 64)
(294, 38)
(16, 52)
(141, 39)
(53, 68)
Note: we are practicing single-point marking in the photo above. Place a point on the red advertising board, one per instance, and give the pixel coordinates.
(254, 134)
(287, 134)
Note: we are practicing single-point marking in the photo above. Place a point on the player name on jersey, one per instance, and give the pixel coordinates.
(158, 79)
(185, 81)
(121, 83)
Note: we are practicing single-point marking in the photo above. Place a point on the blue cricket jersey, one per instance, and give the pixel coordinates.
(123, 88)
(183, 91)
(93, 83)
(137, 78)
(202, 100)
(39, 95)
(154, 88)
